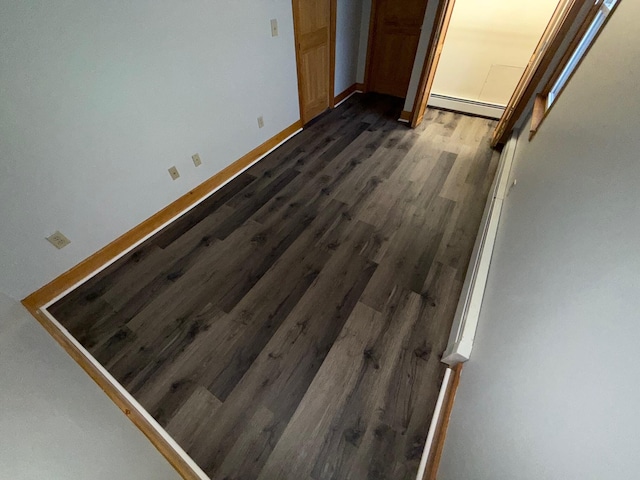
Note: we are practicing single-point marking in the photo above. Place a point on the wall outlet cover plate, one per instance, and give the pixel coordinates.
(58, 240)
(173, 171)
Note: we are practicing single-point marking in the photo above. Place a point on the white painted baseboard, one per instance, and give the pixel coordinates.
(465, 322)
(152, 421)
(173, 219)
(464, 105)
(437, 412)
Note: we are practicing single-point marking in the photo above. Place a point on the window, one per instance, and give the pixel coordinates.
(581, 49)
(576, 51)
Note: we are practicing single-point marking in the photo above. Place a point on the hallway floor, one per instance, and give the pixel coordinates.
(291, 325)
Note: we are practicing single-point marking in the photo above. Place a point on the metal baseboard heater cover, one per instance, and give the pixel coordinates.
(467, 315)
(464, 105)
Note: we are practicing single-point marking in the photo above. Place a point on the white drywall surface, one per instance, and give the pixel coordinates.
(348, 22)
(365, 23)
(488, 46)
(550, 391)
(423, 43)
(421, 52)
(56, 423)
(98, 99)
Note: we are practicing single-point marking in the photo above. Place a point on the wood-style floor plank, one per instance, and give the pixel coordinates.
(291, 325)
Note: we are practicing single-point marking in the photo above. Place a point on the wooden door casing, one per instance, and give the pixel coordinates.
(394, 35)
(313, 26)
(434, 50)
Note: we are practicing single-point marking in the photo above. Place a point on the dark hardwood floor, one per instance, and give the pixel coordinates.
(291, 326)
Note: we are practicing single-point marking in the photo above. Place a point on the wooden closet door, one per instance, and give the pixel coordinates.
(312, 24)
(394, 41)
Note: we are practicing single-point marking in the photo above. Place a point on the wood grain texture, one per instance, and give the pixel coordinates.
(433, 462)
(539, 109)
(393, 42)
(89, 265)
(575, 41)
(406, 116)
(121, 401)
(431, 59)
(332, 52)
(344, 94)
(314, 29)
(292, 325)
(567, 15)
(570, 50)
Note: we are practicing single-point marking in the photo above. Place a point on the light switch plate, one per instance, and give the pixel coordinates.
(260, 122)
(196, 160)
(274, 27)
(58, 240)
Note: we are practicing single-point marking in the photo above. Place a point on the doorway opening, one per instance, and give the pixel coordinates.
(487, 48)
(394, 33)
(462, 73)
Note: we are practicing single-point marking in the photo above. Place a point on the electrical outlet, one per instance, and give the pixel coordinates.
(274, 27)
(196, 160)
(58, 240)
(260, 122)
(173, 171)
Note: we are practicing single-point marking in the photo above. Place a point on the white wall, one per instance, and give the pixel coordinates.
(365, 21)
(98, 99)
(348, 22)
(551, 391)
(423, 42)
(421, 52)
(55, 421)
(488, 46)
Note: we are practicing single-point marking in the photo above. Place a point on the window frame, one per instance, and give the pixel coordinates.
(564, 17)
(580, 45)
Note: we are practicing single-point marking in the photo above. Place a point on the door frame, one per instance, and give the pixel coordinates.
(373, 17)
(431, 59)
(567, 16)
(332, 52)
(333, 7)
(371, 38)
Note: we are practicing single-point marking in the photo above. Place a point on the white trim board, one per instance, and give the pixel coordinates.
(156, 426)
(464, 105)
(146, 237)
(465, 323)
(437, 412)
(85, 353)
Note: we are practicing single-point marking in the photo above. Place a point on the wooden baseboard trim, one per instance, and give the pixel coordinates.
(360, 87)
(433, 460)
(130, 409)
(406, 116)
(103, 256)
(344, 95)
(35, 302)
